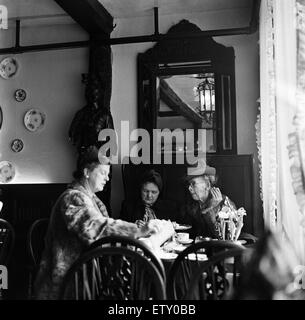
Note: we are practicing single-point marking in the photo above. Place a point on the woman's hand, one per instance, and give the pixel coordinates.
(148, 228)
(140, 223)
(155, 226)
(165, 232)
(216, 196)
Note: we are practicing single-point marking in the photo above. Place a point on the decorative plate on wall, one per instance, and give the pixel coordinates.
(17, 145)
(1, 117)
(7, 171)
(20, 95)
(8, 68)
(34, 120)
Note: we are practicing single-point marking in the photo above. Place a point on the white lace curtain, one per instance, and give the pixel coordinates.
(278, 131)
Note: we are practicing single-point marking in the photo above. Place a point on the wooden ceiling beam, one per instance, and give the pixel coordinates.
(90, 15)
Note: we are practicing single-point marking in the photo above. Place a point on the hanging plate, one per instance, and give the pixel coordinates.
(7, 171)
(20, 95)
(1, 117)
(17, 145)
(34, 120)
(8, 68)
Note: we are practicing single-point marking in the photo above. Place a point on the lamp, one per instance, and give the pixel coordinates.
(206, 94)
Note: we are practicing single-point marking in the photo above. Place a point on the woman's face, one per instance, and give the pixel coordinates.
(199, 188)
(149, 193)
(98, 177)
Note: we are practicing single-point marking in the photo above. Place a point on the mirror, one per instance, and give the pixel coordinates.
(187, 101)
(189, 84)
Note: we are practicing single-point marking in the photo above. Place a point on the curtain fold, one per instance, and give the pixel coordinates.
(278, 50)
(267, 129)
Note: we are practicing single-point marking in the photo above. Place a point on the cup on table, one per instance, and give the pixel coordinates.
(183, 236)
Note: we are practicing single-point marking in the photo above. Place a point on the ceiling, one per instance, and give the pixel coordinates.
(48, 11)
(136, 8)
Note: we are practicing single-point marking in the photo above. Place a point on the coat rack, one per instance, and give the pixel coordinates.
(17, 49)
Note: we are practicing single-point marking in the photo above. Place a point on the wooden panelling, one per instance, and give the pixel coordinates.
(235, 180)
(22, 205)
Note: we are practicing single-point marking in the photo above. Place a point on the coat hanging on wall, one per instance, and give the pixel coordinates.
(95, 116)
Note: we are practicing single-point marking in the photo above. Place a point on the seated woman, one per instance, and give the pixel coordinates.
(149, 206)
(205, 202)
(79, 218)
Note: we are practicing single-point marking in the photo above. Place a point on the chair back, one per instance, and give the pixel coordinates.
(217, 277)
(7, 241)
(188, 262)
(35, 241)
(113, 273)
(132, 244)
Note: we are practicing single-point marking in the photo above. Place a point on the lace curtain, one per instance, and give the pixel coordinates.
(278, 127)
(266, 125)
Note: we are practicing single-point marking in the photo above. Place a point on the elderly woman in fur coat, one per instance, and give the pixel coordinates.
(78, 219)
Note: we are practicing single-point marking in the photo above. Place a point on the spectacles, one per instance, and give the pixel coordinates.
(196, 184)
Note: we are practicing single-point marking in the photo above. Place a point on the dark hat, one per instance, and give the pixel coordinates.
(154, 177)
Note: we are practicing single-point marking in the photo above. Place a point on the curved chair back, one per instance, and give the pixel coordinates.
(212, 276)
(132, 244)
(7, 241)
(35, 241)
(35, 246)
(113, 273)
(188, 262)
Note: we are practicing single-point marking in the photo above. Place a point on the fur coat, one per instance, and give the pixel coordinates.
(77, 220)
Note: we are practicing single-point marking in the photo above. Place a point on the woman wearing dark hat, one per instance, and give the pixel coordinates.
(79, 218)
(149, 206)
(205, 202)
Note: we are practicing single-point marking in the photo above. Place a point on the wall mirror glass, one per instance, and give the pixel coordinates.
(189, 84)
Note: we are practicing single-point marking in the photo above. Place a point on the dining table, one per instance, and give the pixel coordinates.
(168, 247)
(167, 250)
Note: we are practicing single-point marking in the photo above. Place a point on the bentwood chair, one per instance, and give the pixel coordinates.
(113, 273)
(7, 241)
(212, 276)
(132, 244)
(188, 262)
(35, 247)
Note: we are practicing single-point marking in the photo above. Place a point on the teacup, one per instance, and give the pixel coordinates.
(183, 236)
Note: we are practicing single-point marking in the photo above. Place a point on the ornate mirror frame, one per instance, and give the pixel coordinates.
(196, 55)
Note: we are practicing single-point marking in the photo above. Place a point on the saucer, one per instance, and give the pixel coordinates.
(182, 227)
(188, 241)
(240, 241)
(179, 248)
(167, 255)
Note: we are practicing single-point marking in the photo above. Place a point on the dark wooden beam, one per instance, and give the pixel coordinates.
(173, 101)
(90, 15)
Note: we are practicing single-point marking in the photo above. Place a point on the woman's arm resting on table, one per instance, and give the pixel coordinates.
(89, 224)
(164, 230)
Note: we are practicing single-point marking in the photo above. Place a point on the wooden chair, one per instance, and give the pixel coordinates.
(7, 241)
(35, 247)
(189, 260)
(113, 273)
(132, 244)
(212, 276)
